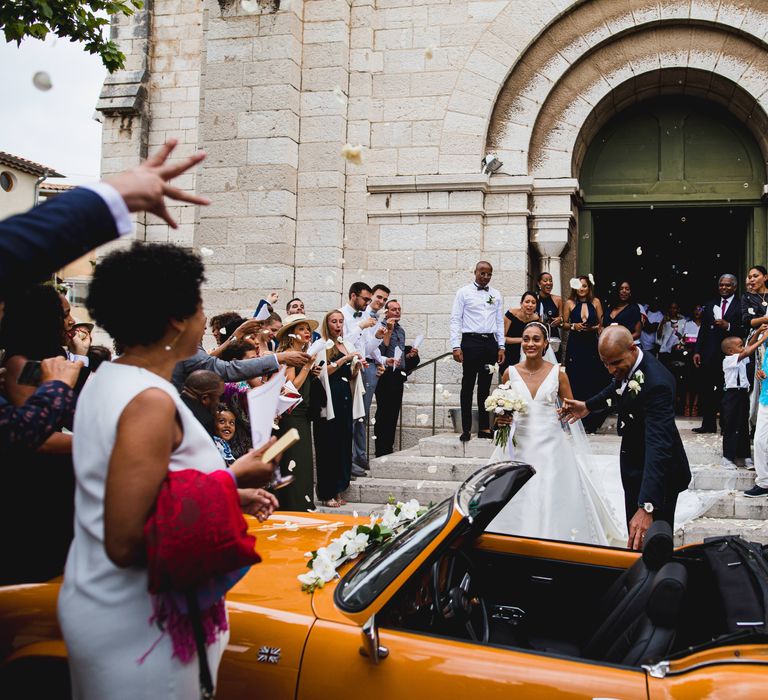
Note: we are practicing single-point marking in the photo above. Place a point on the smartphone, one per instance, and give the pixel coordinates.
(30, 373)
(321, 363)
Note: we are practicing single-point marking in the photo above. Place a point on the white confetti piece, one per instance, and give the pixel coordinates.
(420, 484)
(354, 154)
(373, 437)
(344, 379)
(272, 537)
(575, 283)
(275, 426)
(638, 250)
(291, 465)
(206, 252)
(429, 52)
(446, 394)
(291, 526)
(373, 421)
(591, 279)
(404, 374)
(307, 499)
(439, 387)
(42, 81)
(422, 418)
(608, 402)
(354, 514)
(432, 469)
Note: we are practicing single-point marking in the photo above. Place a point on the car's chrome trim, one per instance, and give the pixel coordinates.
(659, 670)
(662, 669)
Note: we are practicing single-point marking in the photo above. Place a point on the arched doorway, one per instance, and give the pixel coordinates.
(671, 198)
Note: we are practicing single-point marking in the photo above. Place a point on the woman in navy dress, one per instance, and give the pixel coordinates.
(586, 373)
(550, 308)
(625, 313)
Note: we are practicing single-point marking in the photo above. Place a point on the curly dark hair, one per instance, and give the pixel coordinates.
(33, 325)
(136, 292)
(228, 322)
(236, 350)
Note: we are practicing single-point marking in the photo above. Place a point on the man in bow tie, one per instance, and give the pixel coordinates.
(477, 339)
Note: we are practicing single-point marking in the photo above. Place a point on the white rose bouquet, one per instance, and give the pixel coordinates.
(505, 400)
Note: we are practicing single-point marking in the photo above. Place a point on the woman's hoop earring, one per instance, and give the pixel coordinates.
(172, 344)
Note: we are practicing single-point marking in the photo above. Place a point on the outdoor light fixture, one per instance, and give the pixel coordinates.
(491, 163)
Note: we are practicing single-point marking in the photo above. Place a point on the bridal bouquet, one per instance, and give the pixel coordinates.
(505, 400)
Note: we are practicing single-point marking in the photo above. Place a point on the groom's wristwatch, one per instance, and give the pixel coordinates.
(648, 507)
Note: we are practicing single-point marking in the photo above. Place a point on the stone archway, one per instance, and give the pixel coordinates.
(598, 58)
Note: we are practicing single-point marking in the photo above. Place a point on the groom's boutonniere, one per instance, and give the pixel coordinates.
(491, 300)
(634, 384)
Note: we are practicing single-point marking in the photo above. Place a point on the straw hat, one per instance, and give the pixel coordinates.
(294, 320)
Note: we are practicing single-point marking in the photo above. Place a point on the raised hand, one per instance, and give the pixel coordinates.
(572, 410)
(145, 187)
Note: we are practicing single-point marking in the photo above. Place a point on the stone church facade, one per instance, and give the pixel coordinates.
(273, 90)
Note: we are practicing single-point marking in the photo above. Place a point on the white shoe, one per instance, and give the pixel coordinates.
(749, 464)
(727, 464)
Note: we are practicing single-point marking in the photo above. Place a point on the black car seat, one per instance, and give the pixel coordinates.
(649, 639)
(626, 599)
(623, 602)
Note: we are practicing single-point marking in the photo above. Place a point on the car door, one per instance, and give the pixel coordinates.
(434, 668)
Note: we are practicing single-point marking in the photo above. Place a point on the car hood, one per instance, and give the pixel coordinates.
(282, 542)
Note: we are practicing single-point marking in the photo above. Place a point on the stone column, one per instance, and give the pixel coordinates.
(551, 222)
(251, 76)
(319, 252)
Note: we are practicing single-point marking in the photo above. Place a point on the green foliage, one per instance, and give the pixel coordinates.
(77, 20)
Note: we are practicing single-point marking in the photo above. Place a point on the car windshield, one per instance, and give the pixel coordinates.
(382, 566)
(479, 499)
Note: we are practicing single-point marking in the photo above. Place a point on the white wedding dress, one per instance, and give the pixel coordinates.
(560, 502)
(575, 495)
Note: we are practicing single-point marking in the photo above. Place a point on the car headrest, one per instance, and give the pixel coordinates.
(663, 607)
(658, 545)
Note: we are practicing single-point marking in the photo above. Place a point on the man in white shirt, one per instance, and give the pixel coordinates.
(652, 316)
(371, 373)
(477, 339)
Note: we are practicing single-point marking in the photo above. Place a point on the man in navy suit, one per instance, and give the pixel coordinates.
(35, 244)
(721, 318)
(654, 466)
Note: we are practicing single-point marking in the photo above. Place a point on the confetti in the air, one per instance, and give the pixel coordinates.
(42, 81)
(354, 154)
(432, 469)
(206, 252)
(446, 394)
(291, 465)
(639, 251)
(422, 418)
(272, 537)
(420, 484)
(307, 499)
(429, 52)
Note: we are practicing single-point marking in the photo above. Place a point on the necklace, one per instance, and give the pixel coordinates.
(534, 373)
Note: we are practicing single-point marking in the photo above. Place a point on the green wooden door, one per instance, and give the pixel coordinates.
(673, 152)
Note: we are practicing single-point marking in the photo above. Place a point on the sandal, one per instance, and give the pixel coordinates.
(331, 503)
(340, 501)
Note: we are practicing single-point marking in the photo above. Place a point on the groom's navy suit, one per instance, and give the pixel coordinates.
(654, 466)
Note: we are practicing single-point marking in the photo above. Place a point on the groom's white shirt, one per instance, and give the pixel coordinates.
(639, 359)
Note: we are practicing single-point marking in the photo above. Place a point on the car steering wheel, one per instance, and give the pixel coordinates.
(457, 604)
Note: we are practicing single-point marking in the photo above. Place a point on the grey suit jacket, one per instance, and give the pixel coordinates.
(232, 371)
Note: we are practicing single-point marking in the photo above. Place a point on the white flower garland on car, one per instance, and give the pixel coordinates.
(324, 562)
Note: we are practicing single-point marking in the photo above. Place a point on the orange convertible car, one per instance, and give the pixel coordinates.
(448, 609)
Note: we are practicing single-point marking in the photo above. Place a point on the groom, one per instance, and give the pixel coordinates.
(654, 466)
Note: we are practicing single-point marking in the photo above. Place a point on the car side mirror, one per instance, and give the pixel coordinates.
(371, 647)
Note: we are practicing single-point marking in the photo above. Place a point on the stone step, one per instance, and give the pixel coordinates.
(696, 531)
(376, 490)
(361, 509)
(715, 478)
(737, 506)
(409, 464)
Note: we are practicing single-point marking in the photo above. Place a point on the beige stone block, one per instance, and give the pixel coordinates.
(326, 32)
(319, 213)
(385, 85)
(214, 179)
(366, 60)
(225, 153)
(320, 156)
(260, 230)
(454, 13)
(211, 231)
(320, 256)
(232, 27)
(227, 204)
(415, 108)
(277, 47)
(322, 197)
(326, 178)
(359, 132)
(255, 276)
(318, 278)
(365, 108)
(275, 97)
(227, 99)
(320, 233)
(283, 71)
(402, 16)
(427, 133)
(417, 302)
(466, 200)
(185, 109)
(361, 37)
(266, 177)
(461, 236)
(464, 124)
(320, 104)
(458, 164)
(269, 253)
(390, 260)
(404, 61)
(408, 201)
(361, 84)
(326, 128)
(272, 203)
(228, 50)
(218, 276)
(417, 161)
(433, 83)
(268, 124)
(277, 151)
(381, 162)
(413, 280)
(402, 236)
(389, 134)
(221, 75)
(324, 55)
(393, 39)
(325, 10)
(332, 78)
(507, 238)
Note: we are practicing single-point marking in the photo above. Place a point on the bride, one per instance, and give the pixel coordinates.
(575, 495)
(560, 501)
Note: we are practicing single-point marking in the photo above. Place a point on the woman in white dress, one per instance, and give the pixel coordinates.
(130, 429)
(560, 501)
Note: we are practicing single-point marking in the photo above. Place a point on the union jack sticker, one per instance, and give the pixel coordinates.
(269, 655)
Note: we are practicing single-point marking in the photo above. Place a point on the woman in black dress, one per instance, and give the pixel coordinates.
(550, 309)
(514, 322)
(333, 431)
(586, 373)
(625, 313)
(754, 302)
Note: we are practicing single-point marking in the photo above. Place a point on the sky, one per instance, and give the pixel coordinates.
(56, 127)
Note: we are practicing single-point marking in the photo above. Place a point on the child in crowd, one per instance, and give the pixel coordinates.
(224, 429)
(734, 410)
